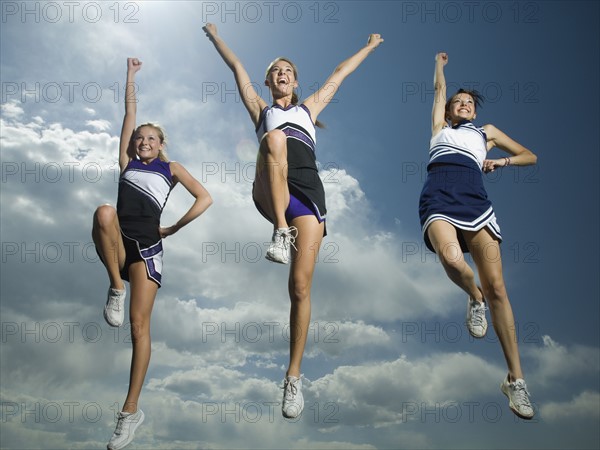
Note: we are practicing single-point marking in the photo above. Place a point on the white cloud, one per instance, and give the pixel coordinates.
(219, 347)
(584, 406)
(98, 125)
(554, 361)
(11, 110)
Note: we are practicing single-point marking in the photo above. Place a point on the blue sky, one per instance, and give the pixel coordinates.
(389, 363)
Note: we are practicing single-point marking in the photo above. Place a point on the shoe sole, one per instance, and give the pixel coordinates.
(474, 335)
(108, 322)
(512, 406)
(270, 258)
(287, 416)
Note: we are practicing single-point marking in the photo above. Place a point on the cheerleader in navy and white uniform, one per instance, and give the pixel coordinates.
(457, 217)
(129, 240)
(287, 189)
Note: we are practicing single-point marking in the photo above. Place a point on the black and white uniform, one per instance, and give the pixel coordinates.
(143, 193)
(454, 189)
(303, 176)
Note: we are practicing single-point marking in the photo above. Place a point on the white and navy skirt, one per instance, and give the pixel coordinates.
(142, 242)
(455, 192)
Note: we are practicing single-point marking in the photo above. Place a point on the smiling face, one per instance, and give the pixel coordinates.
(148, 142)
(463, 106)
(281, 77)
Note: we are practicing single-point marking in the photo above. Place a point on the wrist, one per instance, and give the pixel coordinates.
(507, 161)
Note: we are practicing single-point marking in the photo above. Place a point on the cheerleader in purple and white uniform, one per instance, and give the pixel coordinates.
(287, 189)
(457, 217)
(129, 241)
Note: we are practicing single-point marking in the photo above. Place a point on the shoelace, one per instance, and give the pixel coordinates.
(521, 393)
(114, 303)
(289, 238)
(478, 313)
(293, 389)
(120, 422)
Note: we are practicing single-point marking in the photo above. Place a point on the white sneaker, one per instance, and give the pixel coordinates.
(126, 426)
(476, 321)
(293, 400)
(518, 397)
(114, 310)
(279, 249)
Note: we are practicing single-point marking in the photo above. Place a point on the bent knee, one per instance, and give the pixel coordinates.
(105, 215)
(452, 258)
(274, 142)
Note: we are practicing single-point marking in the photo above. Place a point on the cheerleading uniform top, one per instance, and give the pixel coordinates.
(452, 144)
(143, 193)
(303, 176)
(454, 189)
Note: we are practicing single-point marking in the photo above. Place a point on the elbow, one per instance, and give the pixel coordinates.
(532, 158)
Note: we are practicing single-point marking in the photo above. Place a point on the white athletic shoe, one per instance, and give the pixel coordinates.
(114, 310)
(293, 400)
(126, 425)
(518, 397)
(279, 249)
(476, 321)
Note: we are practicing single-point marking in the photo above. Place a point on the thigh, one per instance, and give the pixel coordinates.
(143, 292)
(271, 142)
(106, 218)
(485, 250)
(308, 243)
(444, 238)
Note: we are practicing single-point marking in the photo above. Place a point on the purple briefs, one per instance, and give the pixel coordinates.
(296, 209)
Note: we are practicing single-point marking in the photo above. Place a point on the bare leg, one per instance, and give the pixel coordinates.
(106, 234)
(310, 235)
(486, 254)
(270, 186)
(445, 242)
(143, 293)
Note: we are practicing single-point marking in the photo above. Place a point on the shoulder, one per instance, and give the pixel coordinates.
(489, 128)
(491, 131)
(175, 167)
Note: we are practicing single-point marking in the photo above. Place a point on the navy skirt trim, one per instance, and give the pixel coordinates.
(142, 242)
(456, 193)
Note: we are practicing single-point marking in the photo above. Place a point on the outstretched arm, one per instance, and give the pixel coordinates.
(320, 99)
(133, 65)
(202, 198)
(521, 156)
(438, 113)
(252, 101)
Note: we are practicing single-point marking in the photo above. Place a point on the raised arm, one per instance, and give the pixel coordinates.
(133, 65)
(438, 113)
(521, 156)
(323, 96)
(252, 101)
